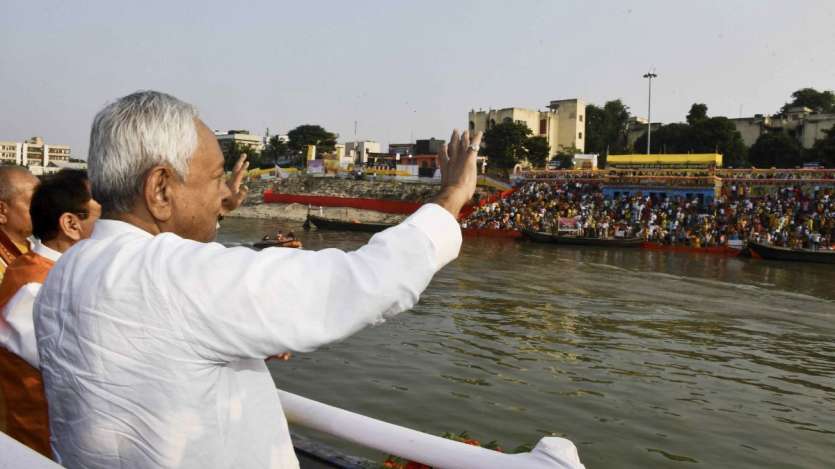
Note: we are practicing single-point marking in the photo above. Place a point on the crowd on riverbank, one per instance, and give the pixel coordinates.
(787, 217)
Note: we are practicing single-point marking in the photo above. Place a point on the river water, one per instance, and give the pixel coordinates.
(641, 358)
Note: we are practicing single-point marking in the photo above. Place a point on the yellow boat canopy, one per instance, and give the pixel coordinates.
(666, 160)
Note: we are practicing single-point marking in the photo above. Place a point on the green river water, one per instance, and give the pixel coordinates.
(641, 358)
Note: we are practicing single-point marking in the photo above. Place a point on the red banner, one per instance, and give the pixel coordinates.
(379, 205)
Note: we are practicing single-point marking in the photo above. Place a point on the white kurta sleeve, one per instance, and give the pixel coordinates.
(237, 303)
(18, 334)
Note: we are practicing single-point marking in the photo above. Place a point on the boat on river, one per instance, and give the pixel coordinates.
(323, 223)
(274, 243)
(777, 253)
(545, 237)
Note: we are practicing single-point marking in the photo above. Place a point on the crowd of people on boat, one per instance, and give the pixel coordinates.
(777, 174)
(788, 216)
(683, 175)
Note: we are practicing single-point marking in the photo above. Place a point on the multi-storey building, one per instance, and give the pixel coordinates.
(800, 122)
(240, 138)
(402, 149)
(562, 124)
(360, 150)
(33, 152)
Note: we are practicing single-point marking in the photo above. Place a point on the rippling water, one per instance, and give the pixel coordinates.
(642, 358)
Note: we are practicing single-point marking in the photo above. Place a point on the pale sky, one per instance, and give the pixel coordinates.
(402, 69)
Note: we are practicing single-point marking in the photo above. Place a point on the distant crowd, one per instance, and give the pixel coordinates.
(743, 174)
(787, 217)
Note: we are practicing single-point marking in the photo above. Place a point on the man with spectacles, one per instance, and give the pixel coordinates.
(63, 213)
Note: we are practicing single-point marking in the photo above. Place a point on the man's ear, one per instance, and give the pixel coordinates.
(4, 210)
(70, 225)
(158, 192)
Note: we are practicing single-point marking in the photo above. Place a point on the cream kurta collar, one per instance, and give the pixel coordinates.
(109, 228)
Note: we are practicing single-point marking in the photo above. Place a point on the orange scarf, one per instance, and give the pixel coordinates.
(21, 386)
(9, 251)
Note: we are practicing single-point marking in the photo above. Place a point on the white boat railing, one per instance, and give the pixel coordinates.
(549, 453)
(15, 455)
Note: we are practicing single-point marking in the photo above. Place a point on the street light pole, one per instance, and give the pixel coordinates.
(649, 76)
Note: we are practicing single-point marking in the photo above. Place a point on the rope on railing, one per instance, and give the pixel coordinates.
(549, 453)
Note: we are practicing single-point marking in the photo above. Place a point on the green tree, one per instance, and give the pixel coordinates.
(670, 138)
(704, 135)
(607, 127)
(538, 150)
(776, 150)
(818, 101)
(504, 144)
(232, 151)
(595, 129)
(308, 134)
(824, 149)
(698, 113)
(617, 125)
(275, 150)
(719, 134)
(565, 157)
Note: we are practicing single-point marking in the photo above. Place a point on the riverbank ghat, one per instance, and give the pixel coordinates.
(790, 208)
(371, 201)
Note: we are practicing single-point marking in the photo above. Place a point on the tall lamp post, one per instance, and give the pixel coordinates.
(649, 76)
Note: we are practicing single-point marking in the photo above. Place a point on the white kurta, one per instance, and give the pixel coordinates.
(152, 347)
(18, 333)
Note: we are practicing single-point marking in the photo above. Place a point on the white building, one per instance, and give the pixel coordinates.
(799, 122)
(33, 152)
(241, 138)
(359, 150)
(563, 124)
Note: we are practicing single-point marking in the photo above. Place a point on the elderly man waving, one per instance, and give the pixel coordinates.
(152, 340)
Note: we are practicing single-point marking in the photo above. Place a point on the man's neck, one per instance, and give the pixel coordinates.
(137, 220)
(16, 238)
(59, 243)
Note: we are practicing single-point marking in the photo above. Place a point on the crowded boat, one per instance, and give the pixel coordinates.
(787, 216)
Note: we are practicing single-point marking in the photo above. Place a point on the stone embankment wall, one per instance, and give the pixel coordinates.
(254, 207)
(367, 189)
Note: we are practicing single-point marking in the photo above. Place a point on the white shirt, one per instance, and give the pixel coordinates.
(18, 333)
(152, 347)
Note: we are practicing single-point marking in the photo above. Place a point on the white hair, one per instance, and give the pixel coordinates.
(131, 136)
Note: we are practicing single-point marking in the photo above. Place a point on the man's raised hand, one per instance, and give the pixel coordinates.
(238, 191)
(457, 161)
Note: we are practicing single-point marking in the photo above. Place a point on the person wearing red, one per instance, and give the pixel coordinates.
(16, 187)
(62, 213)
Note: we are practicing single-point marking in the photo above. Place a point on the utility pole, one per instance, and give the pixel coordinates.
(649, 76)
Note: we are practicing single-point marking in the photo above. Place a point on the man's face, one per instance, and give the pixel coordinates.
(16, 220)
(198, 199)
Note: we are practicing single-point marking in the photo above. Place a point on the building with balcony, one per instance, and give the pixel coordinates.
(241, 139)
(402, 149)
(799, 122)
(691, 176)
(360, 150)
(562, 124)
(33, 152)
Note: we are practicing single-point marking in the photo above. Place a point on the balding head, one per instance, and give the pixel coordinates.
(16, 187)
(11, 177)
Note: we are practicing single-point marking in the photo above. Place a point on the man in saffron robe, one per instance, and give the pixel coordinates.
(16, 187)
(62, 213)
